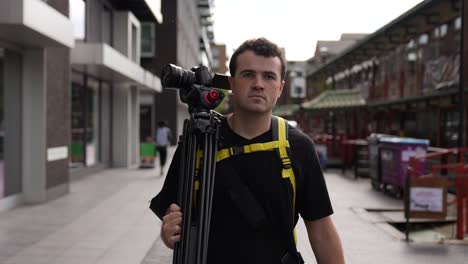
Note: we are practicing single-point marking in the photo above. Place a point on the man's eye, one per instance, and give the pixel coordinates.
(248, 74)
(270, 77)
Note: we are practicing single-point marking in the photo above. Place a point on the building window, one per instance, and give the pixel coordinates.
(148, 40)
(78, 18)
(134, 44)
(107, 25)
(423, 39)
(2, 127)
(85, 121)
(443, 30)
(457, 23)
(92, 120)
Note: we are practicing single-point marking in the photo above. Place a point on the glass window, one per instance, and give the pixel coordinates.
(107, 29)
(134, 45)
(92, 121)
(443, 30)
(85, 121)
(78, 18)
(2, 128)
(457, 23)
(147, 39)
(77, 121)
(423, 39)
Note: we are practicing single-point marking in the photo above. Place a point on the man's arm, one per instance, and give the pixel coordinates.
(325, 241)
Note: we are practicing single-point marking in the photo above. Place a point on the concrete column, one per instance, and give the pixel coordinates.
(34, 126)
(135, 128)
(12, 122)
(122, 126)
(106, 129)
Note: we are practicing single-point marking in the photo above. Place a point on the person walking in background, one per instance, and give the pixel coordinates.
(163, 136)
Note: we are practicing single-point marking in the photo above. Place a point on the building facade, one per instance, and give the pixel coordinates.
(184, 40)
(71, 87)
(409, 74)
(34, 78)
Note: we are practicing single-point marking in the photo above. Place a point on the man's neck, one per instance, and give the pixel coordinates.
(249, 125)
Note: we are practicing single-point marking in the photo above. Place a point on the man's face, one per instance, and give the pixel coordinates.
(256, 84)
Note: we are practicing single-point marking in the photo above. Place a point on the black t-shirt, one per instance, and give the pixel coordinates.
(233, 239)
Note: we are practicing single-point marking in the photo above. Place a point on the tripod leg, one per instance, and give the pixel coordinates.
(200, 130)
(211, 150)
(189, 146)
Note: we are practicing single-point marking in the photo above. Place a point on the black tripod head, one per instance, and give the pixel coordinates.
(196, 86)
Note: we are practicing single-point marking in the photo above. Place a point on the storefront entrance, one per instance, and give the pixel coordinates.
(2, 130)
(85, 121)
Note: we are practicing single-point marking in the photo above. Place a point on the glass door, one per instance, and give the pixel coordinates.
(92, 121)
(77, 154)
(2, 127)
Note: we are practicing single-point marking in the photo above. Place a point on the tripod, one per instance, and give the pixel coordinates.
(198, 143)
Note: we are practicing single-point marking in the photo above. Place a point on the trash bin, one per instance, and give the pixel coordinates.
(394, 157)
(147, 154)
(374, 159)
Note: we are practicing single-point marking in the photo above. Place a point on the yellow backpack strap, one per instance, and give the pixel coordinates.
(280, 133)
(196, 186)
(233, 151)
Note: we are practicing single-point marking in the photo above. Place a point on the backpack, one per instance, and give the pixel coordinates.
(280, 145)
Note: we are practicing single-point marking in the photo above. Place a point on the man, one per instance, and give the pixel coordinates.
(163, 135)
(257, 71)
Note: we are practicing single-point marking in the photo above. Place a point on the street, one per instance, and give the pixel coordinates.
(105, 219)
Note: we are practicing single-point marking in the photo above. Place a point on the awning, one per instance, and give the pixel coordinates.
(101, 60)
(336, 99)
(286, 110)
(33, 23)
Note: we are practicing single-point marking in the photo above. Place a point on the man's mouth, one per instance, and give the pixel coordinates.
(257, 96)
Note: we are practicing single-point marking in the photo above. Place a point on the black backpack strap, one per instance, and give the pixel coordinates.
(243, 198)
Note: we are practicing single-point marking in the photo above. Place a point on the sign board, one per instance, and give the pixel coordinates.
(427, 198)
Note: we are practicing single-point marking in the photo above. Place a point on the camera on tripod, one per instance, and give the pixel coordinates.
(199, 146)
(197, 86)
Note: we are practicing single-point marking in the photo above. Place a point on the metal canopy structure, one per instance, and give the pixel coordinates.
(336, 99)
(418, 20)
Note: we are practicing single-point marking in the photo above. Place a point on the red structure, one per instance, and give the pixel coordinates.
(449, 162)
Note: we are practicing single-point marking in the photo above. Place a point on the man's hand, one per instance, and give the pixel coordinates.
(170, 228)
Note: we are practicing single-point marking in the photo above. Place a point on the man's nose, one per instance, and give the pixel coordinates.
(258, 82)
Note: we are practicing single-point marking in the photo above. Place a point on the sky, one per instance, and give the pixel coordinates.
(296, 25)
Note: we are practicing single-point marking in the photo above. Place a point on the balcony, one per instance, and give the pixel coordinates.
(21, 24)
(101, 60)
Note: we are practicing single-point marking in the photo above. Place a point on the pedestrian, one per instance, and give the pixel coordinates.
(163, 137)
(257, 70)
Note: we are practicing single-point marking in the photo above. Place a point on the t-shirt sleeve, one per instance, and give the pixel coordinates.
(313, 201)
(169, 191)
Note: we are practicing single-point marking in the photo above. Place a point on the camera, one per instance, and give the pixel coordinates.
(176, 77)
(173, 76)
(195, 85)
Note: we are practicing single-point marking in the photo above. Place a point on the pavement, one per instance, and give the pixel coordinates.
(105, 219)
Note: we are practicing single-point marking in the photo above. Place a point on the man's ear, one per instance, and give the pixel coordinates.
(281, 89)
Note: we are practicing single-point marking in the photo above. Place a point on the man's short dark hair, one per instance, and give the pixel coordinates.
(261, 47)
